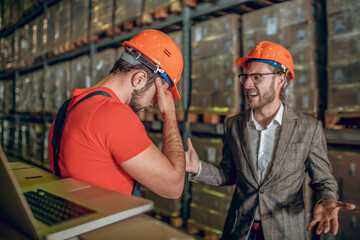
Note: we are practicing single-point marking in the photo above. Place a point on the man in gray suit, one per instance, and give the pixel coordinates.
(267, 151)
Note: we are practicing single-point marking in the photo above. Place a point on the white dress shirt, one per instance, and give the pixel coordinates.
(263, 143)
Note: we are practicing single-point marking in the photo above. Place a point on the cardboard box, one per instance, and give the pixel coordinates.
(349, 225)
(335, 6)
(341, 23)
(207, 217)
(80, 19)
(102, 63)
(211, 200)
(201, 100)
(227, 100)
(101, 16)
(208, 149)
(344, 49)
(306, 76)
(303, 99)
(80, 73)
(344, 97)
(127, 10)
(226, 190)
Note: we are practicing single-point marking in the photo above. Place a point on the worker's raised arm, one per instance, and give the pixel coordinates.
(163, 172)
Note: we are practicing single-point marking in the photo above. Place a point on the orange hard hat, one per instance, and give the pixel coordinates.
(270, 52)
(163, 53)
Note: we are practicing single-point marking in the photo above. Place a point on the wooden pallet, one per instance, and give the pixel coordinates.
(127, 25)
(155, 115)
(210, 117)
(162, 13)
(202, 231)
(173, 221)
(341, 120)
(102, 35)
(65, 48)
(81, 42)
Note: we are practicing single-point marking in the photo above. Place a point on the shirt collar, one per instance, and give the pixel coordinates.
(278, 117)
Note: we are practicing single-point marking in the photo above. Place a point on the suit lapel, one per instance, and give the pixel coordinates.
(244, 136)
(288, 128)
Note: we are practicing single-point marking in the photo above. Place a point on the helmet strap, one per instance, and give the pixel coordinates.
(138, 57)
(129, 58)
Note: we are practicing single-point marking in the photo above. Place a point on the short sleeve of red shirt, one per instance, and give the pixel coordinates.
(122, 131)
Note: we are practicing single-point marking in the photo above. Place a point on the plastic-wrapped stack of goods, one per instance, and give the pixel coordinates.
(127, 11)
(6, 98)
(56, 82)
(79, 21)
(209, 204)
(292, 24)
(24, 44)
(80, 73)
(59, 26)
(101, 16)
(346, 165)
(215, 47)
(46, 161)
(10, 135)
(23, 87)
(102, 63)
(29, 91)
(36, 142)
(159, 9)
(343, 19)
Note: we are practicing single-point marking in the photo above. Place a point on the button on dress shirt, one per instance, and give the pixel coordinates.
(263, 142)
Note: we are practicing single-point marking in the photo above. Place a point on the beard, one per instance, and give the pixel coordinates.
(263, 99)
(136, 96)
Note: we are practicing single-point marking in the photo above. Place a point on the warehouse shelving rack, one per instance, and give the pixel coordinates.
(348, 137)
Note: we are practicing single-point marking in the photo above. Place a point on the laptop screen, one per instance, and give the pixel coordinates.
(13, 206)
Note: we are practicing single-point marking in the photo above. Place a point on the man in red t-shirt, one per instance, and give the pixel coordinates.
(104, 142)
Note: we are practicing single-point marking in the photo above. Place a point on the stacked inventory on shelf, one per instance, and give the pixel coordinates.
(215, 47)
(6, 96)
(343, 55)
(23, 139)
(209, 204)
(127, 10)
(293, 25)
(346, 165)
(102, 63)
(101, 16)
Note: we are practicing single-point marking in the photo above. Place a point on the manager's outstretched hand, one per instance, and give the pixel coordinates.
(326, 214)
(192, 159)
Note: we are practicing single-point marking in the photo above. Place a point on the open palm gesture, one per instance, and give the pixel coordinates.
(326, 214)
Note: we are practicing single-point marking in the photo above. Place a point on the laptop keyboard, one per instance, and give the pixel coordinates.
(51, 209)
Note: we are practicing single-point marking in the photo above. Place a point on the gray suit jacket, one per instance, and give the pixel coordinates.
(301, 148)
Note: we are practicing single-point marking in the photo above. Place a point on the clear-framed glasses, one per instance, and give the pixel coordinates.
(256, 78)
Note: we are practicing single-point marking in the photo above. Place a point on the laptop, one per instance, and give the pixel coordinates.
(94, 206)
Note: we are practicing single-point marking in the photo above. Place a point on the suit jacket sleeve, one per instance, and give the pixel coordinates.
(319, 168)
(223, 174)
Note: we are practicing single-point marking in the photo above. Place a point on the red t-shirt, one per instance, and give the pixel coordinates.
(100, 134)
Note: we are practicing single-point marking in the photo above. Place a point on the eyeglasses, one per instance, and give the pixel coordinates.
(256, 78)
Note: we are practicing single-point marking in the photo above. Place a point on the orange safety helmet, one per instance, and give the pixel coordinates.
(270, 51)
(163, 52)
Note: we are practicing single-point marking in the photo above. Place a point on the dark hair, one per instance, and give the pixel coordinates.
(121, 66)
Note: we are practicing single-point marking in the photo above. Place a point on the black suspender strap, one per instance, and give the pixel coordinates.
(59, 124)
